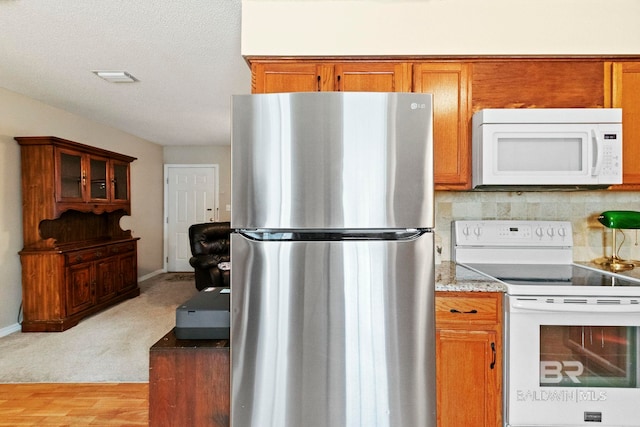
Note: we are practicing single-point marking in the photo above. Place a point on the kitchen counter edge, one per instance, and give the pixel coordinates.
(451, 277)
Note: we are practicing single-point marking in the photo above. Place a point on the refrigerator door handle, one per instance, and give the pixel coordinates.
(332, 235)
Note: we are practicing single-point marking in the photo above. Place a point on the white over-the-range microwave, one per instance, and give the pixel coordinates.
(547, 148)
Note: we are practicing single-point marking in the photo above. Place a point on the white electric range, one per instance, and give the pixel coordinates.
(533, 258)
(571, 332)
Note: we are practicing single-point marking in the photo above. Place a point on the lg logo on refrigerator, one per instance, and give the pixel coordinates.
(416, 106)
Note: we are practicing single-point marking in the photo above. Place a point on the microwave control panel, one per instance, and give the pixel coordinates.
(611, 154)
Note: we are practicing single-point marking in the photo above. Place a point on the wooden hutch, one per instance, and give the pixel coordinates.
(76, 259)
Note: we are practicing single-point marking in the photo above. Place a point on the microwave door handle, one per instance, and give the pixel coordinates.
(598, 151)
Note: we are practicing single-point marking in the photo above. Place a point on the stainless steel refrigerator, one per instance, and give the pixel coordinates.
(332, 277)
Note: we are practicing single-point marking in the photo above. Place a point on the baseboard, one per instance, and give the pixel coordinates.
(152, 274)
(9, 329)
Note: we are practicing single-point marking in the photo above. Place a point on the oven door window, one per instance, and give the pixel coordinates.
(589, 356)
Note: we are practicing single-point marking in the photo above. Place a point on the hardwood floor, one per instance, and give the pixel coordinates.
(74, 405)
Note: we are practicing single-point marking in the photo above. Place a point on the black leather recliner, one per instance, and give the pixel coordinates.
(210, 246)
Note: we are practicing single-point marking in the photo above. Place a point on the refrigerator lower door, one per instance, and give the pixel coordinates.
(333, 333)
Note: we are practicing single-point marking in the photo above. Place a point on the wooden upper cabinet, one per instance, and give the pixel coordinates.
(464, 86)
(120, 181)
(450, 85)
(373, 77)
(448, 82)
(274, 77)
(537, 83)
(622, 88)
(60, 176)
(81, 177)
(70, 173)
(286, 77)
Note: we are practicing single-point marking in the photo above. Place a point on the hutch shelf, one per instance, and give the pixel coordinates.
(76, 259)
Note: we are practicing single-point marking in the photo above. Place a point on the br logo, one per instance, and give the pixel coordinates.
(552, 372)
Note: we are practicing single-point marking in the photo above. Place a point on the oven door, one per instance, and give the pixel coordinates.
(572, 361)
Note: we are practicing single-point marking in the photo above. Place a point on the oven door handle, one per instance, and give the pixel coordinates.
(575, 307)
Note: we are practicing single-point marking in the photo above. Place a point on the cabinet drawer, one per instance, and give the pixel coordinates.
(122, 248)
(87, 255)
(78, 257)
(468, 308)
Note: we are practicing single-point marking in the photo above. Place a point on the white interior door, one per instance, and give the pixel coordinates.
(191, 197)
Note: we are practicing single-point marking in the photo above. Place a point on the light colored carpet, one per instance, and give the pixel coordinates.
(110, 346)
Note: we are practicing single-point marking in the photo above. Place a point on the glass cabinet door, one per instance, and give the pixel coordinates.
(120, 181)
(93, 180)
(71, 176)
(98, 178)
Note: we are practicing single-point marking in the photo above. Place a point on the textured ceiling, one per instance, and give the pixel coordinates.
(186, 54)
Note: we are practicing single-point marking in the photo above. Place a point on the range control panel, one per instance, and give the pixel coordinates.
(530, 234)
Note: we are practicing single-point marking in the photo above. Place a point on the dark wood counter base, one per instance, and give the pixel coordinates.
(189, 383)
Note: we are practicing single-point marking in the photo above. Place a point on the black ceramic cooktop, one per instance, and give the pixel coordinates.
(552, 275)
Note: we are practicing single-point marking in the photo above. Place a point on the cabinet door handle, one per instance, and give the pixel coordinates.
(339, 89)
(474, 311)
(319, 83)
(493, 351)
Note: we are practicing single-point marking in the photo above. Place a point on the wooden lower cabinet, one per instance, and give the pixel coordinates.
(468, 359)
(60, 287)
(80, 289)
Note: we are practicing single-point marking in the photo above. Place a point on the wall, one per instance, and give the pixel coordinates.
(22, 116)
(210, 154)
(440, 27)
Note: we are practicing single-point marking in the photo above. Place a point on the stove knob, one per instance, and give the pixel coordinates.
(562, 232)
(539, 232)
(477, 231)
(550, 232)
(465, 231)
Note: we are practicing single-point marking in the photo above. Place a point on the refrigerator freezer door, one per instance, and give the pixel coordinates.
(332, 160)
(328, 334)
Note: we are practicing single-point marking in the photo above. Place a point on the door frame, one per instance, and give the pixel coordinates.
(165, 222)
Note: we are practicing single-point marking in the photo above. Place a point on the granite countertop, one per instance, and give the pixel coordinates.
(456, 278)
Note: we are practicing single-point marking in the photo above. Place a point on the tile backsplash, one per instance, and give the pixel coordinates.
(590, 239)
